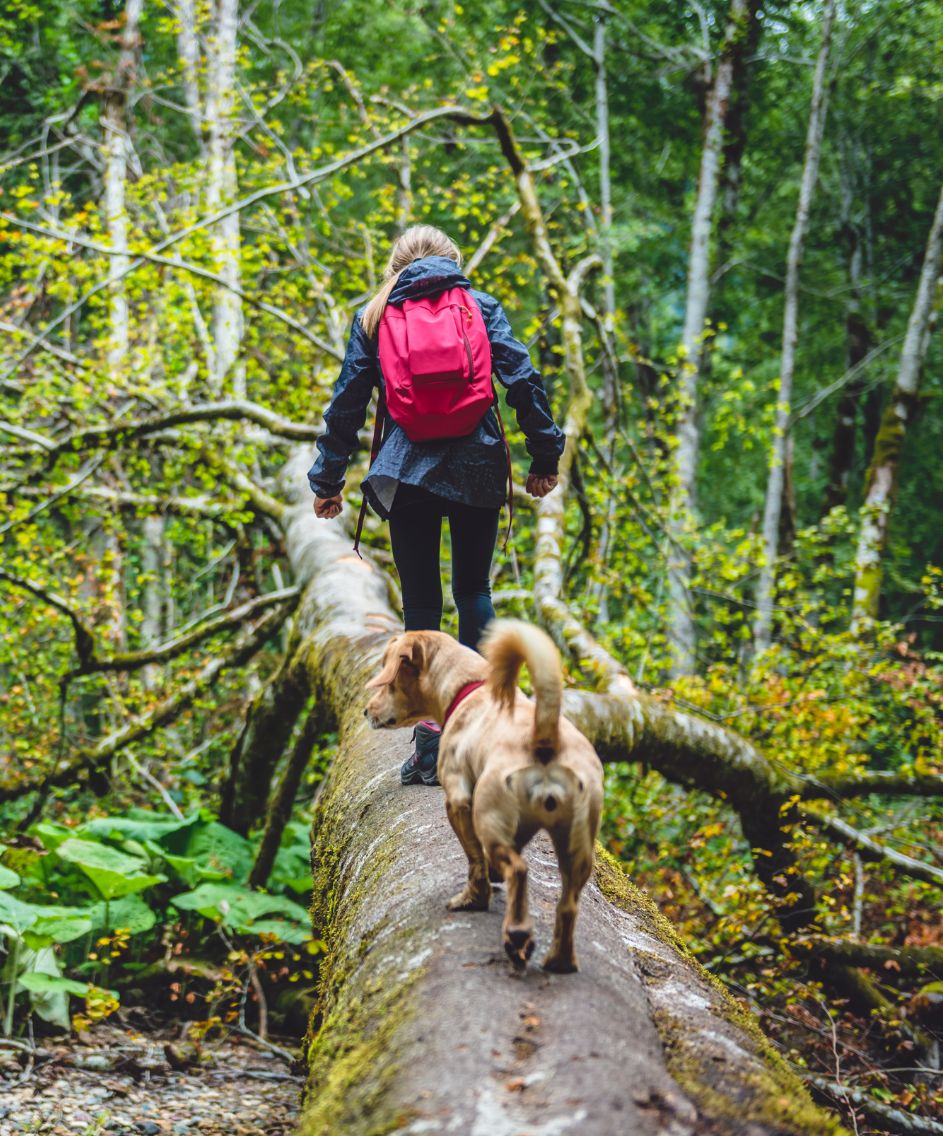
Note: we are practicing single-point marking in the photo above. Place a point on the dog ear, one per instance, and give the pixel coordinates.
(392, 660)
(413, 654)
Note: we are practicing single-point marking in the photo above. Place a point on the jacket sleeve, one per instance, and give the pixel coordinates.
(346, 414)
(525, 392)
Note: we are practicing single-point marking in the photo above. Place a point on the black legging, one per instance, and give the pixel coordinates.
(415, 529)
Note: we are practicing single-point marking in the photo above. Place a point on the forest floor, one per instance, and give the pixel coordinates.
(117, 1082)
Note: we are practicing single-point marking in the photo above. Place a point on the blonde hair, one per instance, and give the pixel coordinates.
(415, 243)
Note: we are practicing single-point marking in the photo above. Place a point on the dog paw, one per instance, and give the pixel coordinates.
(560, 964)
(468, 901)
(518, 946)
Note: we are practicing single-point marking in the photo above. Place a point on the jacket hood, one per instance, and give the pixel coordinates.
(428, 276)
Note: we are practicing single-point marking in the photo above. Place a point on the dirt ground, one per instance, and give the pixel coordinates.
(121, 1083)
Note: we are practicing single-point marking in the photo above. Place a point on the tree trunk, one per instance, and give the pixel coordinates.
(228, 371)
(881, 483)
(735, 133)
(858, 340)
(763, 622)
(188, 49)
(152, 555)
(610, 375)
(115, 128)
(419, 1024)
(681, 632)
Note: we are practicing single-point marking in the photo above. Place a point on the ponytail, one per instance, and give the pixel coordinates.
(416, 242)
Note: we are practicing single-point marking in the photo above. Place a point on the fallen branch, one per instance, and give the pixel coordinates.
(885, 782)
(874, 956)
(891, 1119)
(873, 850)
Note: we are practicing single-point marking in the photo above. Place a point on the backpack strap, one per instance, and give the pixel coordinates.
(507, 454)
(374, 450)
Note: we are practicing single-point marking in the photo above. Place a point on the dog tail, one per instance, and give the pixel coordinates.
(510, 643)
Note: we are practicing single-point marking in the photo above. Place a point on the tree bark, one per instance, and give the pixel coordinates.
(681, 631)
(419, 1025)
(117, 148)
(882, 472)
(763, 622)
(222, 189)
(859, 341)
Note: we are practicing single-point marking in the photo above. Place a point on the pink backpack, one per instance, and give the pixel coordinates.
(435, 357)
(436, 361)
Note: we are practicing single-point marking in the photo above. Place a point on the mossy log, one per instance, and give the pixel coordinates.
(420, 1025)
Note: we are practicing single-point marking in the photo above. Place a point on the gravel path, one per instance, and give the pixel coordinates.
(119, 1083)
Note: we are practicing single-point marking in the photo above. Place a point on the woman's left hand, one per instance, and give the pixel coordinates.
(327, 507)
(540, 486)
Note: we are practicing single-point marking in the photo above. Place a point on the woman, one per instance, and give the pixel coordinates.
(415, 484)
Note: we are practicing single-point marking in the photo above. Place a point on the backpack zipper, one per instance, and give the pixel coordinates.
(468, 351)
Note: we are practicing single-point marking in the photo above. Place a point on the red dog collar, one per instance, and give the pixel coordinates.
(468, 688)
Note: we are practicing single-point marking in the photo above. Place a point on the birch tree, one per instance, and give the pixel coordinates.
(762, 626)
(115, 128)
(681, 632)
(222, 186)
(881, 485)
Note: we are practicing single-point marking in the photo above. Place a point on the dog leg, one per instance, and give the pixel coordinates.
(575, 868)
(518, 929)
(477, 892)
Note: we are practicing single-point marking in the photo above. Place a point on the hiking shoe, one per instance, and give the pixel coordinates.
(420, 766)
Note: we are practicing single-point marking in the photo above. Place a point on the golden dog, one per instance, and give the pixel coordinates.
(509, 766)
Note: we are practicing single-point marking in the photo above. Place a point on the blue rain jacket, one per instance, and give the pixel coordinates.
(472, 469)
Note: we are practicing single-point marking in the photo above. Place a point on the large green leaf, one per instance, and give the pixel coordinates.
(130, 913)
(113, 873)
(38, 983)
(16, 914)
(245, 911)
(189, 869)
(216, 847)
(8, 879)
(56, 925)
(138, 824)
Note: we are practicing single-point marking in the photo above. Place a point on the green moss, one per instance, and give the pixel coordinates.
(774, 1094)
(351, 1062)
(351, 1047)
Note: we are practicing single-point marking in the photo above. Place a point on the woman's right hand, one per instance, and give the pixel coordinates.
(540, 486)
(326, 507)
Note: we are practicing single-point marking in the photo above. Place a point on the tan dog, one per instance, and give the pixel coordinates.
(509, 766)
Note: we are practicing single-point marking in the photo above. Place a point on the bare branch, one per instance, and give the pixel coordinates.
(84, 640)
(237, 410)
(883, 781)
(95, 758)
(875, 956)
(135, 660)
(870, 849)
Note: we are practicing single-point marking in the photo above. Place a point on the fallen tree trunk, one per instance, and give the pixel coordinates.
(420, 1025)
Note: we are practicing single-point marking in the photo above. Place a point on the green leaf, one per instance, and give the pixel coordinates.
(130, 913)
(38, 983)
(243, 910)
(58, 925)
(137, 825)
(113, 873)
(218, 849)
(16, 914)
(8, 879)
